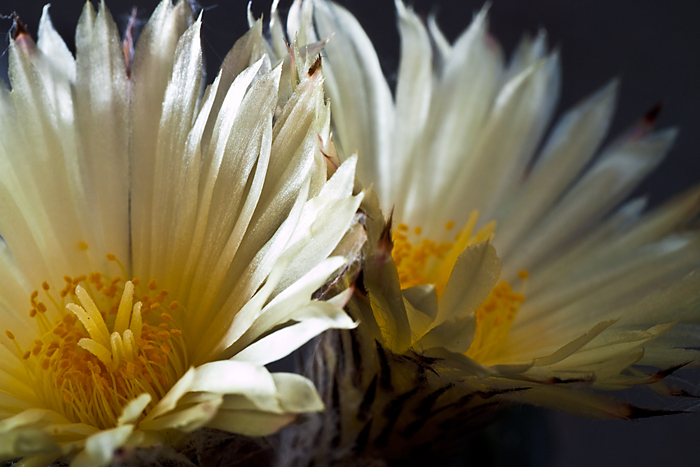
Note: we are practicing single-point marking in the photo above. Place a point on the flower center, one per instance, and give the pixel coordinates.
(423, 261)
(86, 372)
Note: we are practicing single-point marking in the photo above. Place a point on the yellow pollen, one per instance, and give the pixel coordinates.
(493, 321)
(96, 350)
(425, 261)
(82, 245)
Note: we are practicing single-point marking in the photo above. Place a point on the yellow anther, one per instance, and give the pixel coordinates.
(523, 274)
(449, 225)
(82, 245)
(45, 285)
(402, 227)
(81, 278)
(166, 316)
(10, 335)
(111, 257)
(26, 355)
(152, 284)
(417, 230)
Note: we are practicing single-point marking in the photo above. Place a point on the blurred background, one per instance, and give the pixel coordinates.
(651, 45)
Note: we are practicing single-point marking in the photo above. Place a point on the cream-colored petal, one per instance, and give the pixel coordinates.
(419, 321)
(474, 275)
(247, 50)
(309, 322)
(528, 52)
(519, 115)
(170, 400)
(101, 117)
(250, 423)
(455, 334)
(360, 97)
(296, 393)
(99, 448)
(154, 58)
(471, 77)
(133, 409)
(279, 310)
(27, 442)
(179, 110)
(229, 377)
(413, 93)
(604, 185)
(185, 420)
(569, 147)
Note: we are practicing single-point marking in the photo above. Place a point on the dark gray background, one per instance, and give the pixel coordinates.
(652, 45)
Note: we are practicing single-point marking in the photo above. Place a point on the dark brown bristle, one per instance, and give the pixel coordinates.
(652, 114)
(128, 43)
(315, 67)
(18, 27)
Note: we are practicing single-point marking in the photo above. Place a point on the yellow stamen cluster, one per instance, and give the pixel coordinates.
(430, 262)
(88, 373)
(493, 321)
(412, 261)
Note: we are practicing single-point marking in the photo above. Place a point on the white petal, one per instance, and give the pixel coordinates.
(311, 321)
(133, 409)
(250, 423)
(297, 394)
(571, 145)
(603, 186)
(360, 97)
(474, 275)
(99, 448)
(413, 93)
